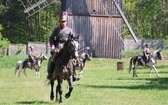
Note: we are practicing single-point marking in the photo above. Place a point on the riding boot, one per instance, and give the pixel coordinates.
(52, 65)
(51, 69)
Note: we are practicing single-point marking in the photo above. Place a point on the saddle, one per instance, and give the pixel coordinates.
(144, 60)
(28, 60)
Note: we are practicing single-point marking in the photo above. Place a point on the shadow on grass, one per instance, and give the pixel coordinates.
(161, 66)
(32, 102)
(156, 83)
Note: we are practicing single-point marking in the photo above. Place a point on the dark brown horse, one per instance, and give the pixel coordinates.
(64, 69)
(140, 61)
(37, 65)
(81, 62)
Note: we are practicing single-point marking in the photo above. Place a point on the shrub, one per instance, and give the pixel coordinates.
(4, 43)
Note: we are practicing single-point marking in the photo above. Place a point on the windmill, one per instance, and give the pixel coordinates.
(32, 7)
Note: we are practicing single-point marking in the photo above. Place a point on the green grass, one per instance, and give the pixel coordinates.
(102, 84)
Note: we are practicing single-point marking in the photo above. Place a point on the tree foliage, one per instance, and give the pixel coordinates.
(19, 28)
(4, 43)
(147, 17)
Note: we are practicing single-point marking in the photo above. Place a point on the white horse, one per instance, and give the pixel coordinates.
(37, 65)
(140, 61)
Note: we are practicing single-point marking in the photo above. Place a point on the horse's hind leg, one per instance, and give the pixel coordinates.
(18, 72)
(150, 72)
(24, 72)
(134, 72)
(52, 92)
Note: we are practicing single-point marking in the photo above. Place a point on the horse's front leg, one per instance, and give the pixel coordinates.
(24, 72)
(52, 92)
(157, 74)
(70, 81)
(37, 72)
(59, 90)
(80, 73)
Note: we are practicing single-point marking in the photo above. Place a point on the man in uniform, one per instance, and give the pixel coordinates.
(57, 39)
(147, 53)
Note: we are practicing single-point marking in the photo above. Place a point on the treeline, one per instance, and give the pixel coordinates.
(148, 19)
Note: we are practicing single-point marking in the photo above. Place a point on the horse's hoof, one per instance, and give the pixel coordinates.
(60, 101)
(67, 95)
(52, 98)
(75, 79)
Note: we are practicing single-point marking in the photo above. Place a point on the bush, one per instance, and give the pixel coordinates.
(4, 43)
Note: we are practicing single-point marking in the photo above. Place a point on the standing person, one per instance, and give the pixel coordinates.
(57, 39)
(32, 56)
(147, 53)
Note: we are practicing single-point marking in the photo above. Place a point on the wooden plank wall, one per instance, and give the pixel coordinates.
(96, 30)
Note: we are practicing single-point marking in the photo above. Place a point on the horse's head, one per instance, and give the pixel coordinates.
(42, 57)
(159, 55)
(71, 47)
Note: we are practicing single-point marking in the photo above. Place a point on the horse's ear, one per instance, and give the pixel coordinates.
(76, 37)
(70, 36)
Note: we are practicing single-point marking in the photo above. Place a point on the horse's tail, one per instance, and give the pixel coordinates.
(130, 66)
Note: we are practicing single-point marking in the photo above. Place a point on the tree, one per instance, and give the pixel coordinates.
(143, 16)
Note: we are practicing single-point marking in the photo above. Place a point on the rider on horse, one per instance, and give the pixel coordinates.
(147, 53)
(57, 39)
(32, 56)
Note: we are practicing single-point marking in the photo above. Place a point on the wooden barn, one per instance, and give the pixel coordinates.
(97, 22)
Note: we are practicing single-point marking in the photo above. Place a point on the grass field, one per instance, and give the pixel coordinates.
(102, 84)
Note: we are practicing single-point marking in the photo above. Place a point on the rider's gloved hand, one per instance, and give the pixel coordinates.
(52, 48)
